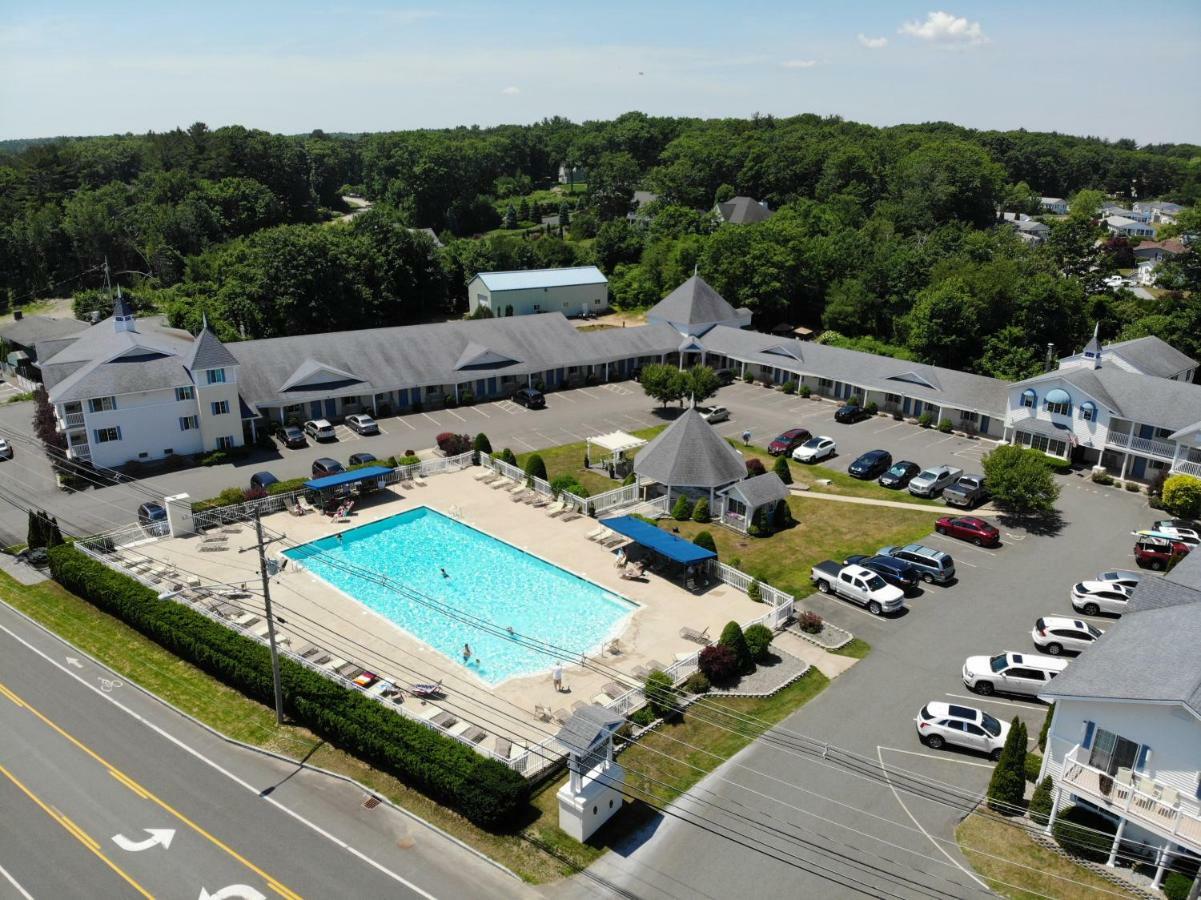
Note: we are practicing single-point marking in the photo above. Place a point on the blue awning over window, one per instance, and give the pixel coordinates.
(1088, 404)
(1055, 395)
(329, 481)
(1030, 392)
(657, 539)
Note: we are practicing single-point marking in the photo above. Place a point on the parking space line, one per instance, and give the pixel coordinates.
(584, 391)
(565, 397)
(983, 699)
(405, 422)
(578, 437)
(940, 757)
(851, 607)
(480, 411)
(432, 419)
(451, 412)
(527, 446)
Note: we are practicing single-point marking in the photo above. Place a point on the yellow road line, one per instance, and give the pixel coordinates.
(143, 792)
(76, 832)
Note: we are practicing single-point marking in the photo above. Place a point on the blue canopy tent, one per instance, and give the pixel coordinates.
(659, 541)
(344, 478)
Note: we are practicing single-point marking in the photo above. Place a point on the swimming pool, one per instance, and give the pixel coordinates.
(488, 579)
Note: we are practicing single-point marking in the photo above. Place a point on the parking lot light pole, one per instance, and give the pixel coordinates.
(262, 548)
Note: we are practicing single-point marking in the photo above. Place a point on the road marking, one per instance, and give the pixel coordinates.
(76, 832)
(73, 662)
(922, 828)
(506, 406)
(20, 890)
(432, 419)
(406, 423)
(586, 394)
(565, 397)
(982, 699)
(451, 412)
(480, 411)
(851, 607)
(233, 892)
(159, 837)
(308, 823)
(528, 446)
(939, 757)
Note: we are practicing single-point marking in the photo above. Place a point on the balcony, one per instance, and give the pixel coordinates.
(1164, 450)
(1143, 801)
(1187, 467)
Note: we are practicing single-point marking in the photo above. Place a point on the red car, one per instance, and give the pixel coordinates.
(969, 528)
(788, 441)
(1157, 552)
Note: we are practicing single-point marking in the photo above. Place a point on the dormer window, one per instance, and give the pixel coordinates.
(1029, 398)
(214, 376)
(1088, 411)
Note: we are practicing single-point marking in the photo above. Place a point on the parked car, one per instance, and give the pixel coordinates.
(358, 459)
(929, 482)
(530, 398)
(1092, 597)
(900, 474)
(263, 480)
(851, 413)
(1157, 552)
(814, 449)
(1027, 674)
(6, 449)
(1182, 535)
(1122, 577)
(941, 723)
(153, 517)
(895, 571)
(293, 436)
(1181, 528)
(320, 430)
(326, 466)
(362, 424)
(788, 441)
(871, 464)
(1055, 634)
(725, 376)
(967, 492)
(859, 585)
(714, 414)
(935, 565)
(969, 528)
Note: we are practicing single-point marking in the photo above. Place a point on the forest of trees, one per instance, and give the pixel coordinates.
(884, 237)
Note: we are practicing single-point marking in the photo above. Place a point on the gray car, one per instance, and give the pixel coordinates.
(929, 482)
(934, 565)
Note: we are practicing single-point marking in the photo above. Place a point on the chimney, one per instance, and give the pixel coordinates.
(1049, 363)
(18, 315)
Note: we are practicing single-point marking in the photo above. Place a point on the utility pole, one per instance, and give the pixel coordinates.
(262, 548)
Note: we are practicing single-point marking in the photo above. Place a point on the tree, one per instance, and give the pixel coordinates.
(700, 512)
(564, 214)
(945, 323)
(682, 510)
(1007, 786)
(617, 242)
(510, 217)
(700, 383)
(535, 467)
(1041, 800)
(705, 539)
(660, 694)
(1042, 732)
(851, 308)
(36, 533)
(611, 185)
(523, 209)
(1182, 496)
(732, 637)
(782, 469)
(1020, 479)
(719, 663)
(945, 180)
(754, 466)
(758, 641)
(662, 382)
(481, 444)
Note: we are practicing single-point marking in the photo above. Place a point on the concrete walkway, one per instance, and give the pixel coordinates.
(831, 664)
(20, 571)
(892, 504)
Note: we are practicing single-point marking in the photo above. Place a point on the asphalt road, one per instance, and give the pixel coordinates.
(106, 792)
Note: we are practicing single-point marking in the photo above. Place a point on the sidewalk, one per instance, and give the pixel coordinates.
(831, 664)
(21, 572)
(893, 504)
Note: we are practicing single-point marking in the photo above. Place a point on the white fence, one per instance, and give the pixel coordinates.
(622, 496)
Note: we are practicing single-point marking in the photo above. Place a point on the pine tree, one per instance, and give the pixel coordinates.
(782, 469)
(732, 637)
(35, 536)
(564, 215)
(1007, 786)
(523, 209)
(510, 217)
(54, 536)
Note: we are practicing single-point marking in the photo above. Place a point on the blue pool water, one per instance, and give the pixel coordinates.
(488, 579)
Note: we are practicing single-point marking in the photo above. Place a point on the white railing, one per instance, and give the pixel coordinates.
(446, 463)
(625, 495)
(1188, 468)
(1162, 449)
(73, 420)
(579, 504)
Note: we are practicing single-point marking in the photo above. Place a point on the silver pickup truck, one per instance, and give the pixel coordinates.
(967, 492)
(859, 585)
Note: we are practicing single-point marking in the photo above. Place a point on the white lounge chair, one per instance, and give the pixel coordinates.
(691, 634)
(419, 481)
(597, 533)
(483, 475)
(556, 509)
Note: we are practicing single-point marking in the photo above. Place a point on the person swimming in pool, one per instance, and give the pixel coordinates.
(466, 654)
(444, 573)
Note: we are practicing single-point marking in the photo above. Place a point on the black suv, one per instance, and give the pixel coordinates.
(871, 464)
(900, 474)
(326, 466)
(850, 413)
(896, 572)
(724, 376)
(530, 398)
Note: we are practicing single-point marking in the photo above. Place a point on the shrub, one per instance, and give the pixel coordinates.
(507, 455)
(732, 637)
(758, 642)
(1019, 480)
(485, 791)
(466, 398)
(1102, 478)
(481, 444)
(748, 378)
(700, 512)
(926, 419)
(1182, 496)
(1057, 464)
(854, 400)
(450, 401)
(1083, 833)
(810, 622)
(718, 663)
(1132, 487)
(629, 479)
(569, 483)
(782, 469)
(767, 382)
(789, 387)
(453, 444)
(705, 539)
(753, 593)
(697, 683)
(944, 425)
(1040, 802)
(1033, 763)
(535, 467)
(754, 466)
(872, 408)
(781, 516)
(1176, 886)
(806, 391)
(643, 717)
(285, 487)
(682, 510)
(216, 458)
(407, 460)
(660, 694)
(1007, 787)
(1042, 732)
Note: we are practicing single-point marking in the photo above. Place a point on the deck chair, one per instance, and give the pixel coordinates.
(556, 509)
(445, 720)
(213, 546)
(484, 475)
(474, 734)
(419, 481)
(541, 501)
(502, 482)
(561, 716)
(569, 514)
(613, 690)
(542, 712)
(691, 634)
(596, 533)
(502, 747)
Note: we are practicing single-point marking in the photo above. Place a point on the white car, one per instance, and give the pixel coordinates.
(1181, 529)
(814, 449)
(1055, 634)
(362, 424)
(6, 449)
(1121, 577)
(1027, 674)
(941, 723)
(1092, 597)
(319, 430)
(713, 414)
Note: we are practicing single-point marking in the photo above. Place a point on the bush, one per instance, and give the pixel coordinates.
(1132, 487)
(705, 539)
(926, 419)
(1040, 802)
(782, 469)
(466, 398)
(485, 791)
(629, 479)
(1007, 787)
(1033, 763)
(854, 400)
(1102, 478)
(1076, 831)
(781, 516)
(1019, 480)
(682, 510)
(286, 487)
(1182, 496)
(1177, 885)
(507, 455)
(697, 683)
(700, 512)
(216, 458)
(748, 378)
(718, 663)
(407, 460)
(1057, 464)
(806, 391)
(810, 622)
(569, 483)
(453, 444)
(1042, 732)
(945, 426)
(642, 717)
(758, 642)
(481, 444)
(535, 467)
(754, 466)
(450, 401)
(872, 408)
(660, 694)
(753, 593)
(732, 637)
(789, 387)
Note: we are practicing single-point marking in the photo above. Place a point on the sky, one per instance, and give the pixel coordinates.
(1090, 67)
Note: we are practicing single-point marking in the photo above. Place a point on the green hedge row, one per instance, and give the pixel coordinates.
(484, 790)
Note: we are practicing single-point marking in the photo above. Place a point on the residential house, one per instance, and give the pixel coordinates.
(1136, 214)
(572, 291)
(18, 344)
(694, 308)
(742, 211)
(1056, 206)
(1160, 211)
(572, 174)
(1123, 226)
(641, 199)
(1027, 229)
(1125, 736)
(1158, 251)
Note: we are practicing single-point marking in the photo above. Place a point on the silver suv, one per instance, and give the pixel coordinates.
(929, 482)
(934, 565)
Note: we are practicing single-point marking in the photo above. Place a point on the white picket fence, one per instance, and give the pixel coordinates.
(622, 496)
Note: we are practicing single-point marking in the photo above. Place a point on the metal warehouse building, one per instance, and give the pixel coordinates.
(572, 291)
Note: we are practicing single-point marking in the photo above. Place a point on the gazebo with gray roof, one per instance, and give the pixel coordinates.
(739, 503)
(689, 456)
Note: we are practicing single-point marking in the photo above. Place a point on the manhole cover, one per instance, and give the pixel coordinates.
(370, 802)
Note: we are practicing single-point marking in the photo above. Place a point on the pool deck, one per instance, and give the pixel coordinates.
(371, 641)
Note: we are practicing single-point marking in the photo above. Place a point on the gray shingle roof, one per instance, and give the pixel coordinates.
(693, 303)
(690, 453)
(32, 329)
(1132, 395)
(759, 490)
(743, 211)
(1157, 592)
(477, 356)
(1153, 355)
(209, 353)
(586, 726)
(1035, 425)
(1149, 655)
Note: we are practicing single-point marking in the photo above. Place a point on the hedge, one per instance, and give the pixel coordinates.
(484, 790)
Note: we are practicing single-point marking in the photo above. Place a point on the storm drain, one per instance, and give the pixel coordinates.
(370, 801)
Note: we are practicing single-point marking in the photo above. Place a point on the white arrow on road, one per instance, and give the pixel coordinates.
(157, 836)
(72, 661)
(232, 891)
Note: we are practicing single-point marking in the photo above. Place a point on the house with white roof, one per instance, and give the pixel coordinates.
(574, 291)
(1123, 226)
(1125, 735)
(1160, 211)
(1136, 214)
(1055, 205)
(1028, 229)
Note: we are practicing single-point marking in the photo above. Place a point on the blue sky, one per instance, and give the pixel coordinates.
(344, 65)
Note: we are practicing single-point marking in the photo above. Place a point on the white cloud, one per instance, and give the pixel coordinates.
(799, 63)
(944, 28)
(872, 43)
(511, 91)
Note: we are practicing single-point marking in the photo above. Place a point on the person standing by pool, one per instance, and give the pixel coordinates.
(466, 654)
(556, 676)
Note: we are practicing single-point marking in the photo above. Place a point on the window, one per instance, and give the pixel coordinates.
(102, 404)
(225, 443)
(214, 376)
(104, 435)
(892, 398)
(189, 423)
(220, 407)
(966, 416)
(1029, 398)
(185, 393)
(825, 382)
(1111, 752)
(1088, 411)
(1059, 409)
(537, 307)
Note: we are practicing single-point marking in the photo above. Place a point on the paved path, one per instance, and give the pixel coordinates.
(20, 571)
(892, 504)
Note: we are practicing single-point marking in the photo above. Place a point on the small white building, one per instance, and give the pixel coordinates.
(572, 291)
(1123, 226)
(1055, 205)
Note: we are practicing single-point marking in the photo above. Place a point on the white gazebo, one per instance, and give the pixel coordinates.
(614, 446)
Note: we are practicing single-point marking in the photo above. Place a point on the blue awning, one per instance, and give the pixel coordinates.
(1055, 395)
(657, 539)
(329, 481)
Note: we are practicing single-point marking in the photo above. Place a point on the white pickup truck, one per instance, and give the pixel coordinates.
(859, 585)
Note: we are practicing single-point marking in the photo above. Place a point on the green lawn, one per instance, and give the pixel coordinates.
(568, 459)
